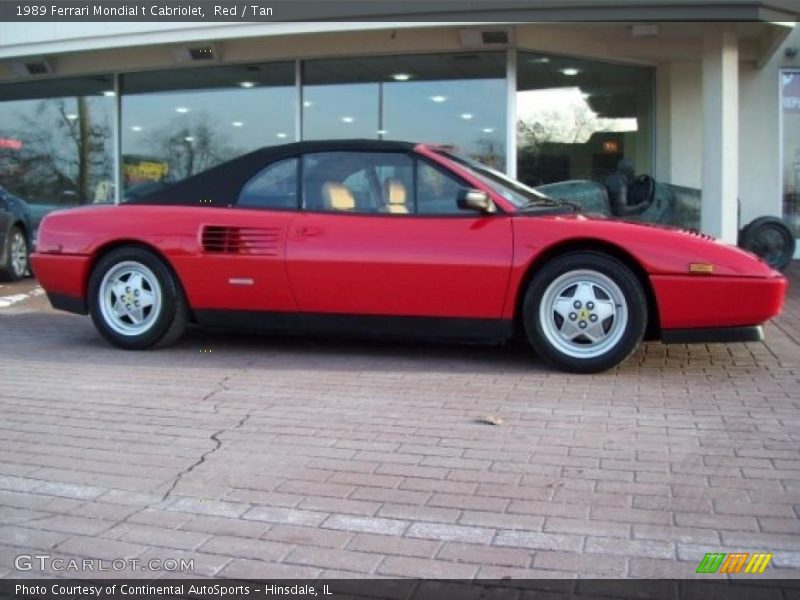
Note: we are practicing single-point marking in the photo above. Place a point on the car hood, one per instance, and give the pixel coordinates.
(659, 249)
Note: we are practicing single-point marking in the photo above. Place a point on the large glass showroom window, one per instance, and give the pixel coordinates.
(56, 141)
(790, 86)
(178, 123)
(576, 119)
(458, 99)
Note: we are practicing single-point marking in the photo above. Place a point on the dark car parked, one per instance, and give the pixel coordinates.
(16, 236)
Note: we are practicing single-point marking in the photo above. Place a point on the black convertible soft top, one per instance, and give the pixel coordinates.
(220, 185)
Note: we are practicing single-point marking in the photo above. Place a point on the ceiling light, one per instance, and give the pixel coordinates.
(136, 128)
(247, 84)
(382, 132)
(540, 60)
(72, 116)
(308, 103)
(237, 123)
(281, 135)
(570, 72)
(347, 119)
(401, 76)
(466, 116)
(182, 110)
(188, 138)
(109, 93)
(438, 99)
(487, 130)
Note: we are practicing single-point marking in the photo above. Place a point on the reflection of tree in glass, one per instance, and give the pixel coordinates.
(66, 151)
(192, 147)
(490, 152)
(575, 123)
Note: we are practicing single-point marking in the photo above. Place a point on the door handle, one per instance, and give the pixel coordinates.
(309, 231)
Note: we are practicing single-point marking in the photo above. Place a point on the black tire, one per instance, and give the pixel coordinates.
(166, 320)
(613, 289)
(10, 269)
(770, 239)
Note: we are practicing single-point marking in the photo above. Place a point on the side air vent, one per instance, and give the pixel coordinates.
(241, 240)
(700, 234)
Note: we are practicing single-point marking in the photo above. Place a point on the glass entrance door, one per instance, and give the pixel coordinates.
(790, 119)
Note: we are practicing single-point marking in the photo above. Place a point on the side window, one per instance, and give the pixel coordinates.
(274, 186)
(358, 182)
(437, 191)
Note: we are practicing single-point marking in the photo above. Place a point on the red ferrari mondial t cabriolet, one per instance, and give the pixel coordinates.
(394, 239)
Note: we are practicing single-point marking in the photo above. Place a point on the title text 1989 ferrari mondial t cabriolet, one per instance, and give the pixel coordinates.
(394, 239)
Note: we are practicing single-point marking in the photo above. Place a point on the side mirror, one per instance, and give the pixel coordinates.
(475, 200)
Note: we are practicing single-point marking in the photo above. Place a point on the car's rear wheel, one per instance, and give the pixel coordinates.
(135, 300)
(16, 253)
(584, 312)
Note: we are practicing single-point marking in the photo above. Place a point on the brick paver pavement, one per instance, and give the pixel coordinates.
(282, 457)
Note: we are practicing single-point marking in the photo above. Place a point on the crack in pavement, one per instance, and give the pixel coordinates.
(218, 444)
(221, 386)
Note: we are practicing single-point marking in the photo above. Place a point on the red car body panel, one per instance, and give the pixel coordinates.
(471, 266)
(371, 265)
(687, 301)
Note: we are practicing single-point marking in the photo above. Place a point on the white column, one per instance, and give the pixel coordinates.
(511, 113)
(116, 140)
(720, 131)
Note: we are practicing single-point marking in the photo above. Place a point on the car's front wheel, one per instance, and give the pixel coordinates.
(135, 300)
(584, 312)
(16, 253)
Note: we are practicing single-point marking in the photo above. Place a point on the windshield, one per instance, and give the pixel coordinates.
(518, 194)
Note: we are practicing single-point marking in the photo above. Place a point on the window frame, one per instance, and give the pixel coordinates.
(458, 178)
(303, 208)
(415, 158)
(298, 170)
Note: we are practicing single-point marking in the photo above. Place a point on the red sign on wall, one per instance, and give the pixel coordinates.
(11, 143)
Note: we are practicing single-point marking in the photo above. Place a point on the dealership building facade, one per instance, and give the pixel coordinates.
(96, 112)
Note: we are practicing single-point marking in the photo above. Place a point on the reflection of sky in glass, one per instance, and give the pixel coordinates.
(17, 115)
(13, 113)
(244, 119)
(555, 111)
(466, 113)
(469, 114)
(340, 111)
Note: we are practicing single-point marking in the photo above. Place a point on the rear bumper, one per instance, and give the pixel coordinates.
(68, 303)
(709, 335)
(63, 276)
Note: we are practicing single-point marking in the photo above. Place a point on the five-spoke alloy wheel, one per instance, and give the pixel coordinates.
(130, 298)
(135, 300)
(584, 312)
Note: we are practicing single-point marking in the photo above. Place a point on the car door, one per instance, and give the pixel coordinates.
(241, 264)
(368, 244)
